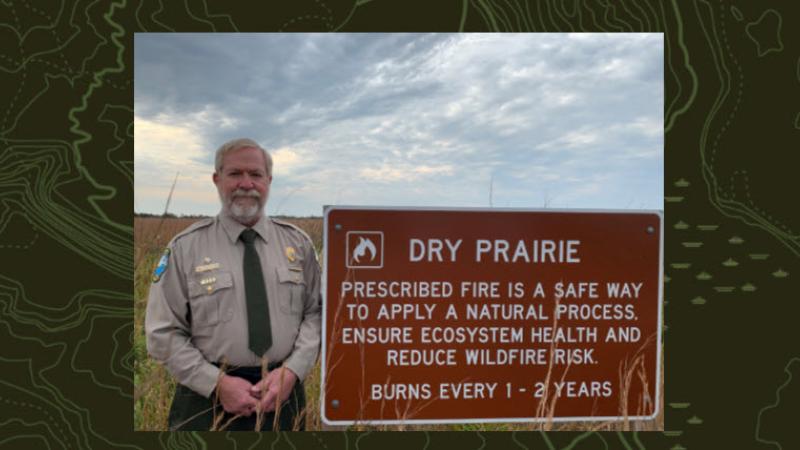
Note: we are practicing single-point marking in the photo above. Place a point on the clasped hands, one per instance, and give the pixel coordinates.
(239, 396)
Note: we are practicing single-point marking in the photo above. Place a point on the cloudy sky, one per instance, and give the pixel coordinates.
(537, 120)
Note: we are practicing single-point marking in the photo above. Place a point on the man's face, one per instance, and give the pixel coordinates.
(243, 185)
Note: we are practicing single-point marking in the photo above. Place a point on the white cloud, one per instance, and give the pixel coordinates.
(383, 174)
(647, 126)
(161, 143)
(433, 170)
(560, 98)
(386, 173)
(163, 150)
(285, 161)
(573, 139)
(210, 116)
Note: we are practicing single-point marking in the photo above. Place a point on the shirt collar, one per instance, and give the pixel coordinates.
(233, 228)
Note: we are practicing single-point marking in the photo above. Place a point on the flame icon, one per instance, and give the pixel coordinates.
(362, 247)
(364, 250)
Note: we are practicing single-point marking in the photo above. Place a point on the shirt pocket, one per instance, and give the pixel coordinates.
(206, 297)
(291, 285)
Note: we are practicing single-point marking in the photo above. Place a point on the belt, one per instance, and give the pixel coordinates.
(249, 373)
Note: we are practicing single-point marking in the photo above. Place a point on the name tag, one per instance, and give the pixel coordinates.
(206, 267)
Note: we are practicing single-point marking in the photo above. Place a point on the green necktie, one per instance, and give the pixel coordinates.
(258, 326)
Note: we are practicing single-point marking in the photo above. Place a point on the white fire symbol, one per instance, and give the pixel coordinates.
(362, 247)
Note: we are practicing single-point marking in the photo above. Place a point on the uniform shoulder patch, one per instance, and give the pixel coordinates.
(161, 267)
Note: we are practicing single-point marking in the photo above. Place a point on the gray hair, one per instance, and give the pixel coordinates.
(237, 144)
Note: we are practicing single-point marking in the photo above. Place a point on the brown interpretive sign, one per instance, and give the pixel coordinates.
(490, 315)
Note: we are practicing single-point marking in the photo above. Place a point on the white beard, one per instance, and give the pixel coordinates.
(244, 213)
(241, 213)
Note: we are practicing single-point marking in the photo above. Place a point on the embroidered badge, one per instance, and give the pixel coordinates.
(162, 266)
(290, 254)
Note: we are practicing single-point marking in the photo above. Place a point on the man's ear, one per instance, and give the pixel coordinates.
(215, 177)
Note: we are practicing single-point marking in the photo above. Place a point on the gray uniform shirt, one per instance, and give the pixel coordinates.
(197, 311)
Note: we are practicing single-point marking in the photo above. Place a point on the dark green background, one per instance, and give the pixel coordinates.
(732, 128)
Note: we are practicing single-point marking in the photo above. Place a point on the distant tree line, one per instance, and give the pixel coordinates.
(201, 216)
(170, 215)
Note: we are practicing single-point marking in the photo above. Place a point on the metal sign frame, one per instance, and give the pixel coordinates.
(660, 307)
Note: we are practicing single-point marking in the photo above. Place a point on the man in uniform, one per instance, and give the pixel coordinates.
(234, 310)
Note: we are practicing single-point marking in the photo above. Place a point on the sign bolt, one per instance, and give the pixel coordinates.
(335, 404)
(337, 227)
(650, 230)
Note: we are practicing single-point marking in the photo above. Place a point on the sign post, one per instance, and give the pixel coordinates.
(490, 315)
